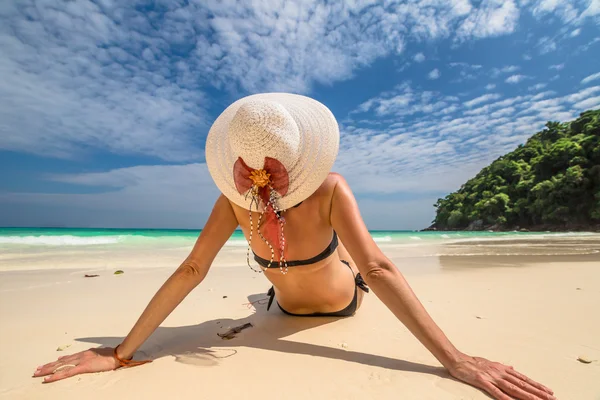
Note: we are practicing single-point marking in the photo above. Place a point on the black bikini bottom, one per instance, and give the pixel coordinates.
(346, 312)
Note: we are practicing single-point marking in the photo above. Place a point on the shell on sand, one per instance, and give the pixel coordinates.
(584, 360)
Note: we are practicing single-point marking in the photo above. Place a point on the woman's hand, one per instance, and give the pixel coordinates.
(500, 381)
(92, 360)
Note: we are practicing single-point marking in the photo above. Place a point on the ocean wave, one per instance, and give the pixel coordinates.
(509, 236)
(569, 234)
(242, 242)
(60, 240)
(379, 239)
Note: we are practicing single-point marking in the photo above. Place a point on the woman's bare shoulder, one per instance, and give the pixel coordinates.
(325, 193)
(327, 188)
(332, 180)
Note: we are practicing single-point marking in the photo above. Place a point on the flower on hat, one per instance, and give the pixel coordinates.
(273, 175)
(260, 185)
(260, 177)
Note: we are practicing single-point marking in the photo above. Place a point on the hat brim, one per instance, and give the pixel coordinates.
(318, 149)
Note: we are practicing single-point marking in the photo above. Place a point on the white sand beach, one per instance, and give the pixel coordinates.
(533, 305)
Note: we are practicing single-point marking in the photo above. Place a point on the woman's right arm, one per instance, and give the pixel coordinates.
(388, 283)
(218, 229)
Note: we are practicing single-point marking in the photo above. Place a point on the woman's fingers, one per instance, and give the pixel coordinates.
(516, 391)
(528, 380)
(501, 381)
(48, 368)
(494, 391)
(526, 386)
(64, 373)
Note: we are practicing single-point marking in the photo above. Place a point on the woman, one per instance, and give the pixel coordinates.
(271, 157)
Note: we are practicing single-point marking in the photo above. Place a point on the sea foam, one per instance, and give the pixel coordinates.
(60, 240)
(380, 239)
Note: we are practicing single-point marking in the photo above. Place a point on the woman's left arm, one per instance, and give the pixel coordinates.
(391, 288)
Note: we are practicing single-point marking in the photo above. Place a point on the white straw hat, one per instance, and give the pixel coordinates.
(299, 132)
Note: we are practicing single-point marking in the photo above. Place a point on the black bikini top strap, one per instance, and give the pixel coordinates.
(321, 256)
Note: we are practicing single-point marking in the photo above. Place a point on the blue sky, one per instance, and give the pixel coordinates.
(105, 105)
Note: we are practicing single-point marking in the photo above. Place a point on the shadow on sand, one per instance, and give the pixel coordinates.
(200, 345)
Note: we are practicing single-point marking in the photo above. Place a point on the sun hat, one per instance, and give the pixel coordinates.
(299, 132)
(269, 152)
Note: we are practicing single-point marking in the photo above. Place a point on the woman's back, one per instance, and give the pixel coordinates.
(307, 228)
(326, 285)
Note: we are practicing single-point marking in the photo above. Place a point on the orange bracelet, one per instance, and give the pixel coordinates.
(128, 363)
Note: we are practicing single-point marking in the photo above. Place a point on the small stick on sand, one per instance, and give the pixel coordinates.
(230, 334)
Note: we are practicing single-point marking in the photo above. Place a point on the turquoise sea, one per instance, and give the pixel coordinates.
(18, 237)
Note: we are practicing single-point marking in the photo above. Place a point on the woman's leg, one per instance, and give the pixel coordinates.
(344, 255)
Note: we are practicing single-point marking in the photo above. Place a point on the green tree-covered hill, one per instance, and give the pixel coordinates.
(550, 183)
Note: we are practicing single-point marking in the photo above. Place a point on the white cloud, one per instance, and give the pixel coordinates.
(434, 74)
(587, 104)
(546, 45)
(466, 71)
(538, 86)
(465, 65)
(404, 101)
(492, 18)
(510, 68)
(103, 75)
(381, 158)
(481, 99)
(542, 95)
(146, 204)
(423, 148)
(507, 69)
(419, 57)
(572, 12)
(557, 67)
(586, 47)
(575, 32)
(490, 86)
(527, 57)
(515, 78)
(583, 94)
(58, 95)
(590, 78)
(145, 196)
(593, 10)
(503, 112)
(100, 74)
(561, 8)
(420, 150)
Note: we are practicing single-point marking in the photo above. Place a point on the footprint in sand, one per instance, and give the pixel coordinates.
(205, 358)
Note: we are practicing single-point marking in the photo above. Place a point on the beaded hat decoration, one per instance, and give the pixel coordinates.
(269, 152)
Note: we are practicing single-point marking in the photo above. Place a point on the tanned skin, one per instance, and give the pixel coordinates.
(326, 286)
